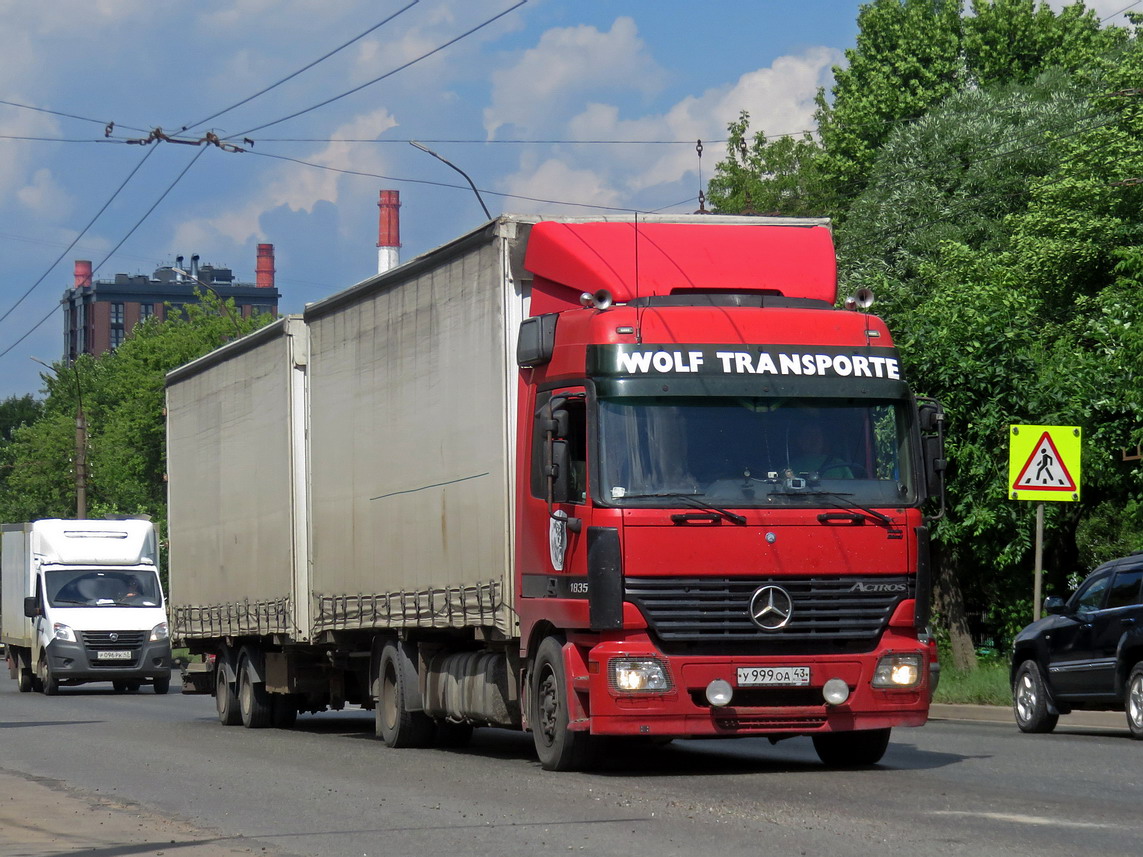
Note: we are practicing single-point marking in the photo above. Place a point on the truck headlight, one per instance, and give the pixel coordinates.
(160, 632)
(898, 671)
(63, 632)
(638, 675)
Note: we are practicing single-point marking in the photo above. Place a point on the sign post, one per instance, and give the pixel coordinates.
(1043, 466)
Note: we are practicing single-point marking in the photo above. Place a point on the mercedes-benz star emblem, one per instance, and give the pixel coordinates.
(771, 607)
(113, 637)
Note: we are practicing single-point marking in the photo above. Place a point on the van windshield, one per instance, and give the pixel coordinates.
(744, 452)
(103, 588)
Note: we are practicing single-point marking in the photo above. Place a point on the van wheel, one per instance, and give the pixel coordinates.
(253, 699)
(1030, 700)
(26, 680)
(49, 684)
(161, 685)
(225, 697)
(852, 749)
(393, 722)
(558, 748)
(1135, 702)
(119, 686)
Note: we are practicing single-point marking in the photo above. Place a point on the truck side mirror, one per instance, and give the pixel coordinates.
(32, 607)
(931, 420)
(559, 470)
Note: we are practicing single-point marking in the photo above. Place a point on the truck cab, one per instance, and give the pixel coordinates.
(91, 605)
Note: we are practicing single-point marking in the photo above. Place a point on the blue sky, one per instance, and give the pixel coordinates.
(505, 103)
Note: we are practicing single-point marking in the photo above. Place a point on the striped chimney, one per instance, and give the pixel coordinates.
(389, 231)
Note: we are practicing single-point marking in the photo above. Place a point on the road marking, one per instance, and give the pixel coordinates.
(1026, 819)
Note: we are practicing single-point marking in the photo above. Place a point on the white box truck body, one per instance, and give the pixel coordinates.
(81, 601)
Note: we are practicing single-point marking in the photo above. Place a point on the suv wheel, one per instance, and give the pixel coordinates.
(1135, 702)
(1030, 700)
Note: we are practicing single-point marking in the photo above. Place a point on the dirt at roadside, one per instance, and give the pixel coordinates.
(46, 818)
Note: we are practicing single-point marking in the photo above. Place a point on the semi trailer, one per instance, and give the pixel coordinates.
(620, 476)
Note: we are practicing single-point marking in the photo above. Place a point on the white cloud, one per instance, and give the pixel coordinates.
(780, 99)
(567, 65)
(556, 180)
(296, 186)
(43, 195)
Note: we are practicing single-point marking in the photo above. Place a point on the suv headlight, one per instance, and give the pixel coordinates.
(63, 632)
(638, 675)
(897, 671)
(160, 632)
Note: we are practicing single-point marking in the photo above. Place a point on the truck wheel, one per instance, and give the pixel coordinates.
(852, 749)
(161, 685)
(49, 684)
(1135, 702)
(559, 748)
(393, 722)
(253, 699)
(1030, 700)
(225, 697)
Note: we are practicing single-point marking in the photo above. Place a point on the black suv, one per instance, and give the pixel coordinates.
(1087, 653)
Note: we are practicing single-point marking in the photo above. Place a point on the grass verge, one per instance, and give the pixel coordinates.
(986, 685)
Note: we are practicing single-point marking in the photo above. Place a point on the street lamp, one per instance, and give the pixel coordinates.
(80, 443)
(425, 148)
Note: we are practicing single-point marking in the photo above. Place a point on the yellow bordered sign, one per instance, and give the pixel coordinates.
(1044, 463)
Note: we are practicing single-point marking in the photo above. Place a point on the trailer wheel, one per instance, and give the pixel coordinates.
(393, 722)
(49, 684)
(225, 697)
(253, 698)
(559, 748)
(852, 749)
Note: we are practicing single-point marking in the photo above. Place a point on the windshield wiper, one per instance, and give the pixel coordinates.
(694, 500)
(848, 506)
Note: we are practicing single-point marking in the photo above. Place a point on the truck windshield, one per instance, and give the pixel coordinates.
(103, 588)
(742, 452)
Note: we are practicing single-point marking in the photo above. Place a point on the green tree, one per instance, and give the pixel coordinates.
(16, 411)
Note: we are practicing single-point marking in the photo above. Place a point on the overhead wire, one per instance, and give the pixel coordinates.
(387, 74)
(304, 68)
(122, 241)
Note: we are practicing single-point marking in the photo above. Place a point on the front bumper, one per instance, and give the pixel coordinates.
(74, 663)
(683, 711)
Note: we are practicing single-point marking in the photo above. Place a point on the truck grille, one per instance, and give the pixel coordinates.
(830, 614)
(106, 640)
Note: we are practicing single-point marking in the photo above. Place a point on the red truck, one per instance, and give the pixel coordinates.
(584, 477)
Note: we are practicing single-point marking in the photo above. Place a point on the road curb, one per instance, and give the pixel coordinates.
(1003, 714)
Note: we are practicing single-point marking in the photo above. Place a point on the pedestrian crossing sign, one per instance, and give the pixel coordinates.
(1044, 463)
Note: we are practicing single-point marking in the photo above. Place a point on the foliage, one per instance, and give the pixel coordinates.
(987, 684)
(121, 395)
(983, 172)
(16, 411)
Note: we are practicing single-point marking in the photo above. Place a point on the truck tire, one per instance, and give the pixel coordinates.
(49, 684)
(1030, 701)
(1134, 700)
(852, 749)
(253, 698)
(558, 748)
(393, 722)
(225, 697)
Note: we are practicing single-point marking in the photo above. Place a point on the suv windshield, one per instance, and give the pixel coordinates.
(103, 588)
(754, 451)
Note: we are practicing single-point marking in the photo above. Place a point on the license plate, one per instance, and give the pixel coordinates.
(114, 655)
(773, 676)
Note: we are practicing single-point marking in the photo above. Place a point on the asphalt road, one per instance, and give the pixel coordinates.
(90, 772)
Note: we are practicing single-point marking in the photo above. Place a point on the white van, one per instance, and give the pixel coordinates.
(81, 601)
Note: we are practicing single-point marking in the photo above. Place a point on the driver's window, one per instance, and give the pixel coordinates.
(1091, 596)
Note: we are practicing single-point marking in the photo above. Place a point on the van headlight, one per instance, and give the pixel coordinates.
(898, 671)
(638, 675)
(160, 632)
(63, 632)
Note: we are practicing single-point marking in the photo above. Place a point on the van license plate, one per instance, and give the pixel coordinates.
(773, 676)
(114, 655)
